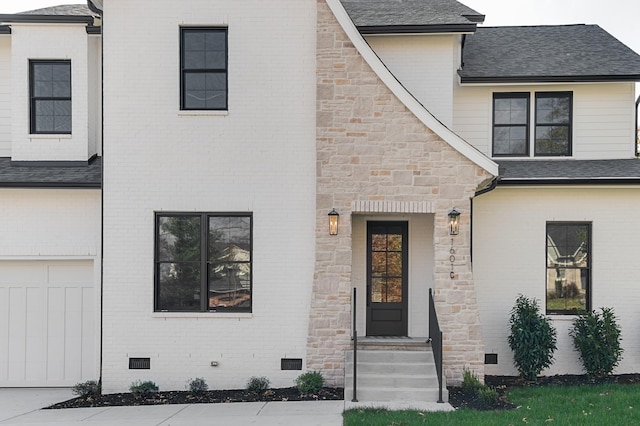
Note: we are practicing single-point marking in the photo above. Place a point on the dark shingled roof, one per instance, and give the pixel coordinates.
(47, 176)
(62, 10)
(513, 172)
(380, 16)
(558, 53)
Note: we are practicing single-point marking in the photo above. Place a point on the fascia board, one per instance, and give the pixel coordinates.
(455, 141)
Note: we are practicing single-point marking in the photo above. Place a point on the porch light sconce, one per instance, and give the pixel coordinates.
(454, 222)
(333, 222)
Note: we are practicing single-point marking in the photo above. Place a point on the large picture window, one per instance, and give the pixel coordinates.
(203, 262)
(568, 267)
(510, 124)
(553, 124)
(203, 64)
(50, 97)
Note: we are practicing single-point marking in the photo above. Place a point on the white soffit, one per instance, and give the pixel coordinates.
(405, 97)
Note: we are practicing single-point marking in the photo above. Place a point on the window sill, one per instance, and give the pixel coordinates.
(562, 317)
(212, 113)
(203, 315)
(49, 136)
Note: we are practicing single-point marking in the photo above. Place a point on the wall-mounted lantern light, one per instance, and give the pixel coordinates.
(333, 222)
(454, 222)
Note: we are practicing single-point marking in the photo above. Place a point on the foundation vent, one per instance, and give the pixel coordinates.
(291, 364)
(139, 363)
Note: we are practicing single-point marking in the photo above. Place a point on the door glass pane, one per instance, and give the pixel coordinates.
(378, 242)
(394, 290)
(394, 242)
(379, 264)
(378, 289)
(394, 265)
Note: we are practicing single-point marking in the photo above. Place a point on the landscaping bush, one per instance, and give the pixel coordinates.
(596, 337)
(470, 382)
(488, 396)
(310, 382)
(532, 338)
(258, 384)
(139, 388)
(86, 389)
(198, 385)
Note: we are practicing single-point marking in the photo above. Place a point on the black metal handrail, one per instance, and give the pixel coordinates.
(355, 351)
(435, 338)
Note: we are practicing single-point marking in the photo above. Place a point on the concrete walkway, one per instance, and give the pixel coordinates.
(23, 407)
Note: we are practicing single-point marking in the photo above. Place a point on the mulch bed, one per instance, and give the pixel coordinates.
(457, 397)
(208, 397)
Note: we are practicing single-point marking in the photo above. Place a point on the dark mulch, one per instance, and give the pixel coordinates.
(502, 384)
(208, 397)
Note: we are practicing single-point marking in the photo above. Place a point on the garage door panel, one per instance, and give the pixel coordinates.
(36, 346)
(55, 333)
(73, 333)
(17, 333)
(4, 334)
(47, 323)
(88, 331)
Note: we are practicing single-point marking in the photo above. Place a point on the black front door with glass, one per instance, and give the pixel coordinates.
(387, 282)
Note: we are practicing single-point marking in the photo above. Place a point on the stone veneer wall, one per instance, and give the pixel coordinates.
(370, 147)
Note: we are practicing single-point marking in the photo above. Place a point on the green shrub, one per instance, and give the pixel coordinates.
(488, 396)
(198, 385)
(470, 382)
(139, 388)
(258, 384)
(532, 338)
(596, 337)
(310, 382)
(86, 389)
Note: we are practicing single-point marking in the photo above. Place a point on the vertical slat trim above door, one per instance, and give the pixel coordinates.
(393, 207)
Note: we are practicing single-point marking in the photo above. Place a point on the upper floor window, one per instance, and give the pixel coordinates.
(50, 96)
(203, 262)
(552, 131)
(568, 267)
(203, 68)
(510, 124)
(553, 123)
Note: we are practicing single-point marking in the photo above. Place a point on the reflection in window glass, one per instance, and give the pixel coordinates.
(203, 254)
(568, 267)
(553, 123)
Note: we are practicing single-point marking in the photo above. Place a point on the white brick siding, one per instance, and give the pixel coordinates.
(259, 157)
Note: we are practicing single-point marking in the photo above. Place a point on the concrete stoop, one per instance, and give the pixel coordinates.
(393, 371)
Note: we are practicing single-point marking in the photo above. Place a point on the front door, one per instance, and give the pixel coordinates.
(387, 266)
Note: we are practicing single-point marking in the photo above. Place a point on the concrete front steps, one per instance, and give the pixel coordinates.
(400, 369)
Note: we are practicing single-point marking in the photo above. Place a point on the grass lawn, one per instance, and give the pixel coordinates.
(606, 404)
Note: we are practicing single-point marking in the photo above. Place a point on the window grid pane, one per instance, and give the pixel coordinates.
(203, 253)
(553, 124)
(50, 83)
(204, 69)
(511, 124)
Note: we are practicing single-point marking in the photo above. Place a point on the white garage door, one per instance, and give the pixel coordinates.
(47, 323)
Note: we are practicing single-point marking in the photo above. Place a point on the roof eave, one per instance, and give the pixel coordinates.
(634, 180)
(45, 19)
(551, 79)
(417, 29)
(50, 185)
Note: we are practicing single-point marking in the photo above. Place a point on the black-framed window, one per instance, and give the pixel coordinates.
(50, 96)
(553, 123)
(568, 253)
(510, 124)
(203, 68)
(206, 254)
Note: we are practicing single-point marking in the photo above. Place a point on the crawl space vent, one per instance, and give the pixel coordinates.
(139, 363)
(291, 364)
